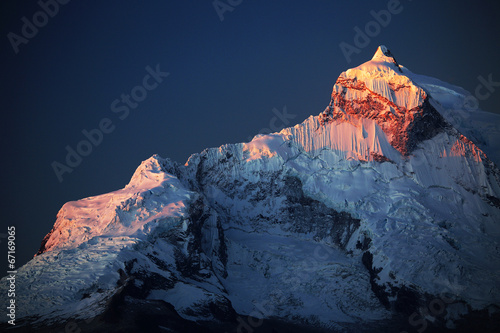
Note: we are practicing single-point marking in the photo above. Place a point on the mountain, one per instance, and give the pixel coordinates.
(382, 213)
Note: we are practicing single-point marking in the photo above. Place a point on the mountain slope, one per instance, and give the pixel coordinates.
(379, 205)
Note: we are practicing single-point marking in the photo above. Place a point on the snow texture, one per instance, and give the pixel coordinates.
(326, 222)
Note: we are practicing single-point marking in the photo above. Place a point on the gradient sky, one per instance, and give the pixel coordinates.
(225, 79)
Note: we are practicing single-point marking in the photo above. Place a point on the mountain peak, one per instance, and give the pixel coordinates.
(375, 190)
(376, 91)
(383, 54)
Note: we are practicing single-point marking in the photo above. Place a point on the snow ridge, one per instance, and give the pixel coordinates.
(337, 220)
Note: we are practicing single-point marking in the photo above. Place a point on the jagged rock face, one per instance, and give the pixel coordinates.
(397, 105)
(363, 214)
(273, 198)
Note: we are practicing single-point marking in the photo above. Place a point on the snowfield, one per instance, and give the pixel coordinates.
(382, 202)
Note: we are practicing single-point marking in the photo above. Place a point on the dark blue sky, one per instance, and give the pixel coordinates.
(225, 78)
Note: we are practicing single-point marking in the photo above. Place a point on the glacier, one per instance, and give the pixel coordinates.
(385, 203)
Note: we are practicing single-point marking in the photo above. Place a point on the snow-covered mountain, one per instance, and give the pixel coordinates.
(385, 204)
